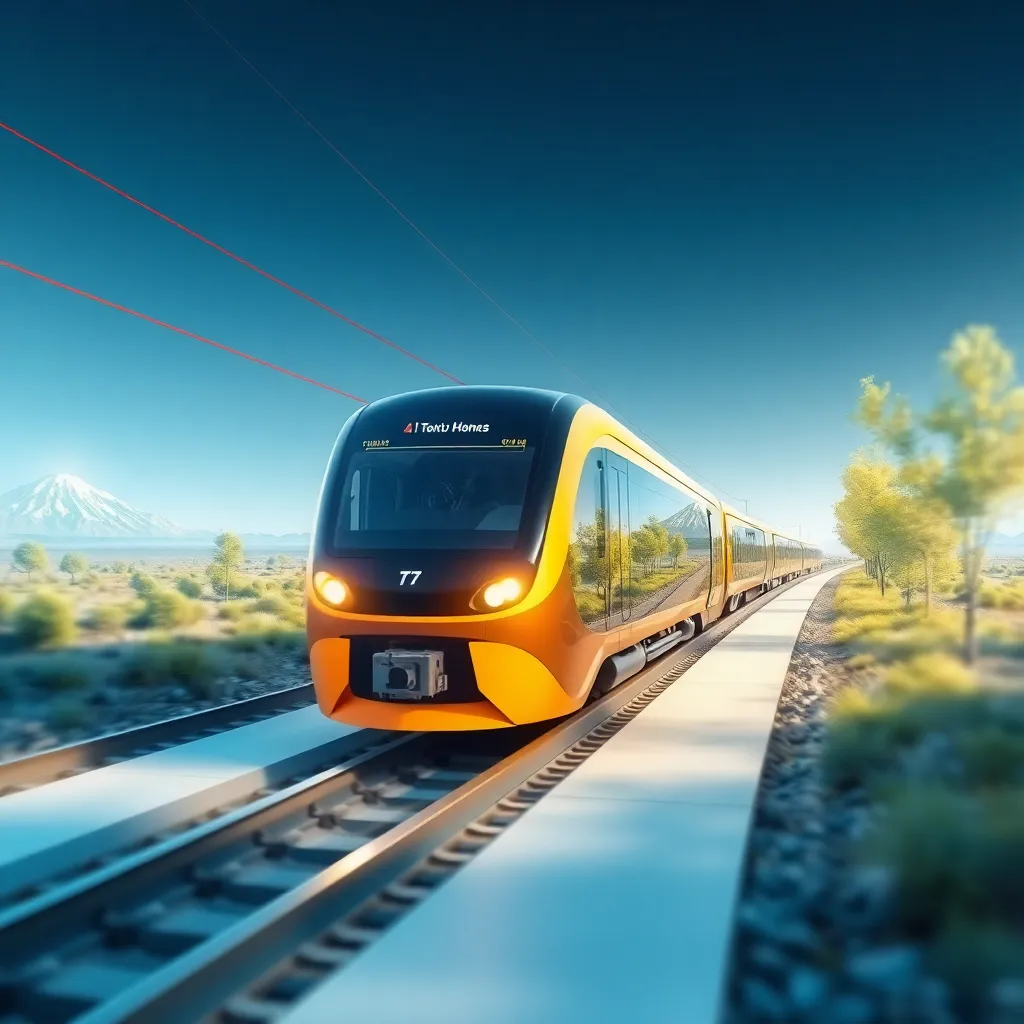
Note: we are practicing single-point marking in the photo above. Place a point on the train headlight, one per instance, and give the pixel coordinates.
(330, 589)
(500, 594)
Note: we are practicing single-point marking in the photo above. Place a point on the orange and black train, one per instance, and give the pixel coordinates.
(490, 556)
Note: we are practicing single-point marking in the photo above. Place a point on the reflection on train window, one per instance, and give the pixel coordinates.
(588, 562)
(432, 499)
(669, 544)
(653, 552)
(788, 556)
(749, 551)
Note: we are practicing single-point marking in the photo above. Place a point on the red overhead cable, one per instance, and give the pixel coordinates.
(227, 252)
(180, 330)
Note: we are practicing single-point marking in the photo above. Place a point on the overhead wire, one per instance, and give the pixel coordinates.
(179, 330)
(227, 252)
(437, 249)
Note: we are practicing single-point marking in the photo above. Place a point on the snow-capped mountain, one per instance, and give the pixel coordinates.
(692, 520)
(67, 506)
(1007, 544)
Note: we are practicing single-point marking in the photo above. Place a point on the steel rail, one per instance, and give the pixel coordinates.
(77, 758)
(249, 951)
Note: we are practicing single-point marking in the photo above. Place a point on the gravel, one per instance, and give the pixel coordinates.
(810, 939)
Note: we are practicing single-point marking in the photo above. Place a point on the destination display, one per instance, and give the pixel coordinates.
(450, 434)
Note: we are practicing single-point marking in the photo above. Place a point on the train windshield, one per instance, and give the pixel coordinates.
(449, 482)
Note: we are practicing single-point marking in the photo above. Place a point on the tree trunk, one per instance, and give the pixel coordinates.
(970, 627)
(972, 570)
(927, 585)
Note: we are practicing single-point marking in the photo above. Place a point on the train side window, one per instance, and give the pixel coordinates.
(588, 560)
(749, 551)
(717, 550)
(670, 543)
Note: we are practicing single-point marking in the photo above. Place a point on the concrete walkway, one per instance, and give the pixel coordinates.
(52, 828)
(612, 899)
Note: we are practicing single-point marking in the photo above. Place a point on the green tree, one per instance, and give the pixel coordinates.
(44, 620)
(676, 548)
(30, 557)
(974, 466)
(871, 516)
(227, 562)
(73, 563)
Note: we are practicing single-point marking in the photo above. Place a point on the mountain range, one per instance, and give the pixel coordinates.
(67, 508)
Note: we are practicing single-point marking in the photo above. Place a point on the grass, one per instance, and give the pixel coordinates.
(942, 755)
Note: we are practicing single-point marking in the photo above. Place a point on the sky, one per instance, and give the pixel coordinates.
(712, 219)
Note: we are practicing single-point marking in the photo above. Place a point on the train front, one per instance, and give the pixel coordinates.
(430, 603)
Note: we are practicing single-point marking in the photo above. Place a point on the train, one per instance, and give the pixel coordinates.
(485, 557)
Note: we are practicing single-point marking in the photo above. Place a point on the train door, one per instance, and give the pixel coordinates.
(717, 592)
(618, 542)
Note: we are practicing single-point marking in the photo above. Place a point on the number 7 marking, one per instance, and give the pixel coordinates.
(406, 573)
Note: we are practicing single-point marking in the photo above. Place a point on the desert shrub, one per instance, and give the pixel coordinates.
(1008, 596)
(108, 618)
(929, 673)
(247, 589)
(143, 584)
(66, 715)
(192, 665)
(846, 629)
(120, 568)
(992, 755)
(275, 605)
(232, 610)
(189, 586)
(971, 956)
(954, 855)
(256, 622)
(60, 673)
(6, 606)
(45, 620)
(264, 628)
(145, 667)
(936, 633)
(867, 734)
(169, 609)
(91, 578)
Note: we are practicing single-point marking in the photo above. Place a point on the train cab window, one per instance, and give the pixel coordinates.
(449, 499)
(588, 562)
(669, 541)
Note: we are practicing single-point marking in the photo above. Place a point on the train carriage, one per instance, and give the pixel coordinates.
(485, 557)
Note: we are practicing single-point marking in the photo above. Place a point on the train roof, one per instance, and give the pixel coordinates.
(626, 435)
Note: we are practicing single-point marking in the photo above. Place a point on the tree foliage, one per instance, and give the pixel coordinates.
(30, 557)
(224, 570)
(74, 564)
(962, 462)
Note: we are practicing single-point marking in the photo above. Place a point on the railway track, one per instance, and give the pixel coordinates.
(76, 758)
(236, 919)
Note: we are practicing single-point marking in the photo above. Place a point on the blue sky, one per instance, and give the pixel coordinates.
(721, 220)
